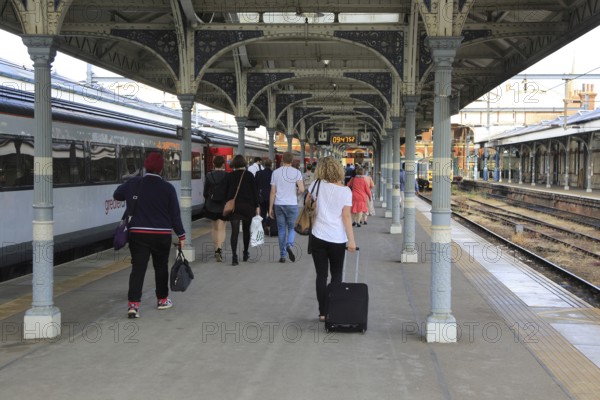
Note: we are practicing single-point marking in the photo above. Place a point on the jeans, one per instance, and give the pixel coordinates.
(286, 218)
(141, 247)
(327, 257)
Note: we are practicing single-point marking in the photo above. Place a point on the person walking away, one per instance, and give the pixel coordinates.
(361, 194)
(246, 205)
(370, 205)
(256, 166)
(308, 177)
(156, 215)
(286, 183)
(332, 230)
(263, 186)
(214, 200)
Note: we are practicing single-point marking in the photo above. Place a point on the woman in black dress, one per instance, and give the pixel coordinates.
(214, 200)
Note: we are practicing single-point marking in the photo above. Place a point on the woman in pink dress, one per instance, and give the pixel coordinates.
(361, 194)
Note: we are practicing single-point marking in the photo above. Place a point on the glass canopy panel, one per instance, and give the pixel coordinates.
(318, 18)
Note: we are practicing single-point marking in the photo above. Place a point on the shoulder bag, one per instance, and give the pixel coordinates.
(230, 205)
(121, 235)
(303, 225)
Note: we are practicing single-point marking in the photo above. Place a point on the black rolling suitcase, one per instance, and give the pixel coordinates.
(347, 304)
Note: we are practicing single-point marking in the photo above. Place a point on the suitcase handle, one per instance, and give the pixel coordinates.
(355, 270)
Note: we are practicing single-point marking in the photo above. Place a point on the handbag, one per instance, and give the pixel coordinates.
(230, 204)
(121, 236)
(303, 225)
(181, 273)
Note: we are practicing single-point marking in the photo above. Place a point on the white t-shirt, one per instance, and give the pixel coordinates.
(285, 179)
(329, 225)
(254, 168)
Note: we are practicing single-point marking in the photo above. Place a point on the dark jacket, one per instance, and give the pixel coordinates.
(157, 208)
(263, 184)
(246, 201)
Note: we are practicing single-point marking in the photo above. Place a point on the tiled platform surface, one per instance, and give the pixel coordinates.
(251, 332)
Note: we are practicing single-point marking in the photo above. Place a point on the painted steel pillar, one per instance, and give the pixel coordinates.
(396, 226)
(485, 162)
(521, 166)
(302, 155)
(241, 123)
(567, 150)
(43, 319)
(271, 133)
(588, 188)
(475, 169)
(497, 165)
(389, 177)
(441, 324)
(532, 161)
(509, 165)
(187, 103)
(409, 248)
(384, 172)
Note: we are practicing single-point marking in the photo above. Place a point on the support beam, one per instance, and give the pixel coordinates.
(241, 123)
(389, 146)
(409, 250)
(396, 226)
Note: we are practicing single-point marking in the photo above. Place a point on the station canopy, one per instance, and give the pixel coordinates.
(343, 66)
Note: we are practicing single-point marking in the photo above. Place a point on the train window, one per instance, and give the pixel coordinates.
(132, 161)
(173, 165)
(16, 162)
(103, 165)
(68, 162)
(196, 165)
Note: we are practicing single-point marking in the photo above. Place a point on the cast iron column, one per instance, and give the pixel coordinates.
(441, 324)
(241, 123)
(389, 177)
(396, 223)
(43, 319)
(187, 102)
(409, 251)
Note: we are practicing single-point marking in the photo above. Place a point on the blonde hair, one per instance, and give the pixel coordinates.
(329, 169)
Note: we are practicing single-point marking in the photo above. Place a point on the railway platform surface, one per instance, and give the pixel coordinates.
(251, 331)
(541, 187)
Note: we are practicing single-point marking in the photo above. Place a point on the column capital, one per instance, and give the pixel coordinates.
(41, 48)
(241, 121)
(443, 49)
(411, 102)
(186, 101)
(396, 123)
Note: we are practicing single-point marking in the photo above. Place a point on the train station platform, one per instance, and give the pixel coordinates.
(251, 331)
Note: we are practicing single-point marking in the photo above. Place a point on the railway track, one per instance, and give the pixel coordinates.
(585, 256)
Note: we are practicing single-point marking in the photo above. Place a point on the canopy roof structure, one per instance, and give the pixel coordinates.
(307, 65)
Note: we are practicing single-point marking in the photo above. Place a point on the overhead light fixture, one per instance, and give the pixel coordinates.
(326, 62)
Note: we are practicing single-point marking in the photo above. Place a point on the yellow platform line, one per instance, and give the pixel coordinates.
(23, 303)
(569, 367)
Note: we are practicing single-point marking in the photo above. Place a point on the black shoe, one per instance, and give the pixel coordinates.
(246, 256)
(219, 255)
(290, 254)
(234, 260)
(354, 224)
(358, 225)
(282, 260)
(364, 223)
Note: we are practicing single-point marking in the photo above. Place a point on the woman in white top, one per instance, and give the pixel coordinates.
(332, 228)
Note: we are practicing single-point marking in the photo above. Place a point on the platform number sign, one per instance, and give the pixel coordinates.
(365, 138)
(323, 138)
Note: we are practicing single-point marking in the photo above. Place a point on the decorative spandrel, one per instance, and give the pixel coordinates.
(374, 100)
(301, 112)
(257, 81)
(381, 81)
(473, 34)
(224, 81)
(262, 104)
(370, 112)
(390, 44)
(209, 43)
(425, 58)
(314, 121)
(163, 42)
(284, 100)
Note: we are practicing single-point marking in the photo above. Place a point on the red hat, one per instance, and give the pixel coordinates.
(154, 163)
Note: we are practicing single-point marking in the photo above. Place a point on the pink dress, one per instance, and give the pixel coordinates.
(361, 193)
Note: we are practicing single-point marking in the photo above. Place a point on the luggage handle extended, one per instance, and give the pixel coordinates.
(355, 270)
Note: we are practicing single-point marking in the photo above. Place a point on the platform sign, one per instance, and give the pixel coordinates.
(365, 138)
(323, 137)
(343, 139)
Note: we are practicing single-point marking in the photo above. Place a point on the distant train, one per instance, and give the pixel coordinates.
(425, 169)
(94, 150)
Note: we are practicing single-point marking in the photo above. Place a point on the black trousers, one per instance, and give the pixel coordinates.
(235, 231)
(141, 247)
(328, 257)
